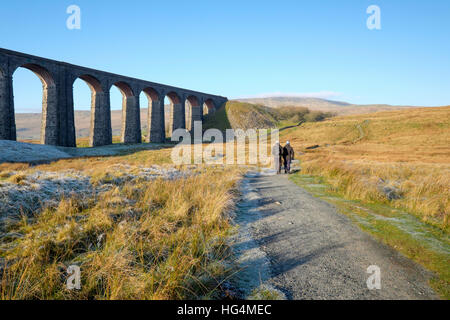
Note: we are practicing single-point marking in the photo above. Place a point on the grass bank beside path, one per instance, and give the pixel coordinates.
(423, 243)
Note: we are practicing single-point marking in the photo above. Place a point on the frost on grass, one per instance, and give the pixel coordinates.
(22, 193)
(40, 190)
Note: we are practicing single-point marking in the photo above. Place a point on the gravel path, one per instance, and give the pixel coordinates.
(314, 252)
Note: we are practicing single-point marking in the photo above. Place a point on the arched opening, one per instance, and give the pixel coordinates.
(116, 101)
(209, 107)
(193, 110)
(85, 91)
(125, 117)
(174, 114)
(167, 117)
(35, 105)
(144, 102)
(154, 123)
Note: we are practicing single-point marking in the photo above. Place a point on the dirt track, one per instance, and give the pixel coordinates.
(314, 252)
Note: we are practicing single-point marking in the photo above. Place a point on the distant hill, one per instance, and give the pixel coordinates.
(337, 107)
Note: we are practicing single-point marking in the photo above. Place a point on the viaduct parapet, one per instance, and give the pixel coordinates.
(58, 125)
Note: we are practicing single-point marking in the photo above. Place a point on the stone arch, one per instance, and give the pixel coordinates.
(151, 94)
(98, 128)
(124, 88)
(50, 116)
(193, 100)
(93, 83)
(42, 73)
(173, 97)
(177, 118)
(210, 103)
(131, 119)
(209, 106)
(193, 111)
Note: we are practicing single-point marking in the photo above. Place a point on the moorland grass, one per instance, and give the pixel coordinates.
(159, 239)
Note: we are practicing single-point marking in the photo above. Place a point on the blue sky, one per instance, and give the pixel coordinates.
(243, 48)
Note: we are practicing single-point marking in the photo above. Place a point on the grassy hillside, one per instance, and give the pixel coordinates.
(400, 157)
(240, 115)
(407, 151)
(390, 173)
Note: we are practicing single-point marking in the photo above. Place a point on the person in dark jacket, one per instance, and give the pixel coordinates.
(288, 156)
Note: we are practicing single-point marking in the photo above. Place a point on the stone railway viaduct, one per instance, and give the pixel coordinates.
(58, 125)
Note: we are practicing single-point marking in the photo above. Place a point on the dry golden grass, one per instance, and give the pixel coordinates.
(89, 164)
(407, 151)
(160, 239)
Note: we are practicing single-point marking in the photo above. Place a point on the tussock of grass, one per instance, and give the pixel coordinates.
(17, 178)
(157, 239)
(425, 244)
(422, 190)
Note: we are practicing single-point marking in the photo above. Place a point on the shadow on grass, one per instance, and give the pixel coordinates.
(218, 120)
(108, 151)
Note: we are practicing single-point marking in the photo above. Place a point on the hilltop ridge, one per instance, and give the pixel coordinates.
(317, 104)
